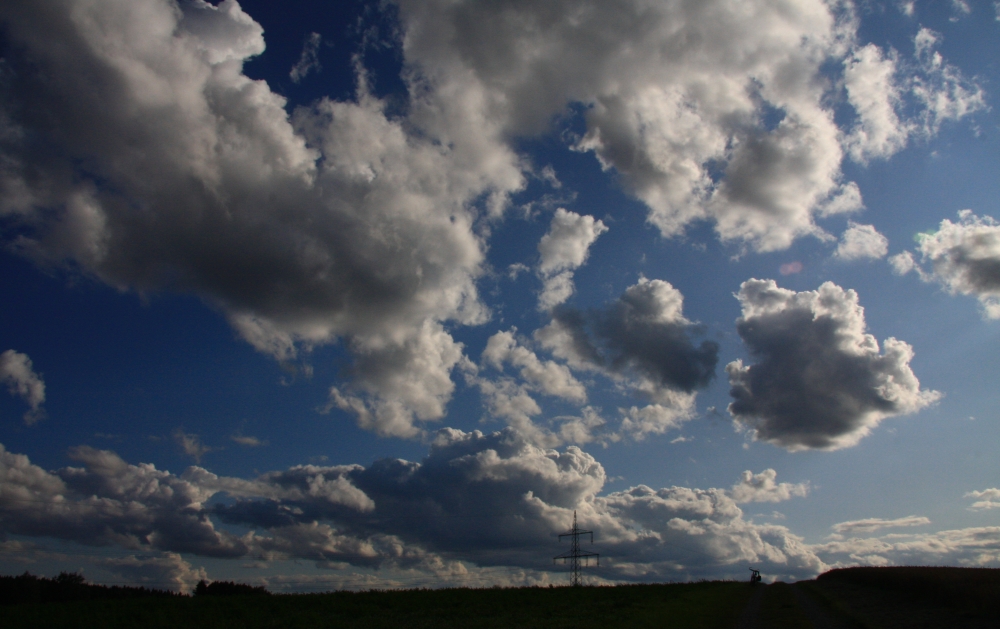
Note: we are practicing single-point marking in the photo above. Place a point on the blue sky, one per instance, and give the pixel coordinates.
(378, 295)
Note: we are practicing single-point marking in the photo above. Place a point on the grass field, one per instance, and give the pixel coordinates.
(852, 598)
(688, 605)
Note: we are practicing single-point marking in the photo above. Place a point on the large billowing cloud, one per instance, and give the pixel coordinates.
(714, 110)
(819, 380)
(108, 501)
(21, 380)
(475, 502)
(133, 147)
(137, 150)
(964, 257)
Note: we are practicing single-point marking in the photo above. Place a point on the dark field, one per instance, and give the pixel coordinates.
(715, 604)
(866, 598)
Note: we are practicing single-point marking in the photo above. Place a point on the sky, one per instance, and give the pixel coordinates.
(376, 295)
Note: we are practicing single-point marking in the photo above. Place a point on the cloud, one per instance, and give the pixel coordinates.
(762, 488)
(333, 223)
(972, 547)
(475, 502)
(507, 399)
(248, 441)
(903, 263)
(166, 571)
(586, 428)
(108, 501)
(820, 382)
(511, 398)
(943, 93)
(656, 419)
(191, 444)
(964, 258)
(880, 87)
(873, 91)
(309, 60)
(400, 382)
(16, 371)
(548, 377)
(986, 499)
(563, 249)
(718, 111)
(871, 525)
(338, 222)
(642, 338)
(497, 499)
(860, 242)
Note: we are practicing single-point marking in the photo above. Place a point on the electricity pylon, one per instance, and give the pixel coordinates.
(575, 553)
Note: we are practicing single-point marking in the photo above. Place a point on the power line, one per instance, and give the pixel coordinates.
(575, 554)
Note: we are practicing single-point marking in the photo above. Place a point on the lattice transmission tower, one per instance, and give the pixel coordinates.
(575, 554)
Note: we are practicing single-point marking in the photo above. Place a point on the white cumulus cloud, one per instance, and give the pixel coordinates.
(861, 242)
(673, 92)
(562, 250)
(17, 373)
(763, 488)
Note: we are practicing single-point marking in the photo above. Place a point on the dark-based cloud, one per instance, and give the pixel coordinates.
(964, 257)
(818, 380)
(108, 501)
(475, 502)
(134, 149)
(643, 335)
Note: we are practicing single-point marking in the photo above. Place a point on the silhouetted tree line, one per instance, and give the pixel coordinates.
(68, 586)
(228, 588)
